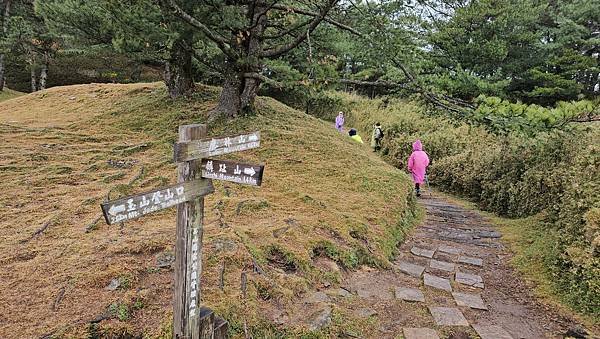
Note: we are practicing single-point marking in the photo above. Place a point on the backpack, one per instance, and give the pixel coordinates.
(378, 133)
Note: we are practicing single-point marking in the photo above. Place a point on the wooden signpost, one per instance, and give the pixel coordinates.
(195, 172)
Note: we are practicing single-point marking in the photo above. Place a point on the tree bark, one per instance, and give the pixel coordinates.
(5, 17)
(240, 89)
(230, 102)
(178, 70)
(33, 78)
(2, 72)
(44, 72)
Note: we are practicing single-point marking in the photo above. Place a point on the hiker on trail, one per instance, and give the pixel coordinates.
(376, 137)
(354, 136)
(417, 165)
(339, 121)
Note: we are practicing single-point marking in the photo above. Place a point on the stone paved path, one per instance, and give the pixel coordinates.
(451, 279)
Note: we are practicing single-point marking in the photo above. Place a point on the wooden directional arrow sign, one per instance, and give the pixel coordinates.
(232, 171)
(204, 148)
(135, 206)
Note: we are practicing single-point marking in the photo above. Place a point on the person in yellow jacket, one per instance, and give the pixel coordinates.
(354, 136)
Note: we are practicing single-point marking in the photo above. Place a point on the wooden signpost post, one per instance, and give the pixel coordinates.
(195, 171)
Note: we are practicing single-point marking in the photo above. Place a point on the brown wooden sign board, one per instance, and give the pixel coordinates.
(135, 206)
(232, 171)
(204, 148)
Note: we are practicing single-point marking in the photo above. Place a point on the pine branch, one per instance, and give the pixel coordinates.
(314, 14)
(275, 52)
(378, 83)
(453, 105)
(264, 79)
(591, 116)
(285, 32)
(220, 41)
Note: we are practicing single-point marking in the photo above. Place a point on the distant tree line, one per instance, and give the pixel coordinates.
(448, 51)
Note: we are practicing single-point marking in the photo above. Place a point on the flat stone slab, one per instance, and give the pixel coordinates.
(491, 332)
(365, 312)
(338, 292)
(437, 282)
(317, 297)
(469, 300)
(469, 279)
(409, 294)
(442, 265)
(489, 234)
(422, 252)
(471, 261)
(448, 316)
(374, 292)
(419, 333)
(320, 319)
(456, 235)
(411, 269)
(449, 249)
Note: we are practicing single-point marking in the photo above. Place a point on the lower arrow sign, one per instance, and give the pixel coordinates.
(240, 173)
(115, 209)
(249, 171)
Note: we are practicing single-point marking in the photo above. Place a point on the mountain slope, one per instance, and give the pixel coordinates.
(326, 202)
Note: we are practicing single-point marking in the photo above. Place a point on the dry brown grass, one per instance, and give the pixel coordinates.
(320, 190)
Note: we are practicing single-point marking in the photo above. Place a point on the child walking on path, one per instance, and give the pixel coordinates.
(417, 165)
(339, 121)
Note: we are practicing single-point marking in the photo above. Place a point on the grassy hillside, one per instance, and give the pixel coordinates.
(7, 94)
(326, 204)
(551, 179)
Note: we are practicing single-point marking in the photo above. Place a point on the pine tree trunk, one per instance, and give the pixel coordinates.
(33, 79)
(240, 90)
(230, 102)
(178, 70)
(238, 94)
(2, 72)
(44, 73)
(43, 77)
(5, 17)
(251, 86)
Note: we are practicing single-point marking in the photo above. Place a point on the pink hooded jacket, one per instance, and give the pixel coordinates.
(418, 162)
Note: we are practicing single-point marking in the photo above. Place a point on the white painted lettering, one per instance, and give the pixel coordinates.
(145, 202)
(213, 145)
(169, 195)
(156, 197)
(131, 206)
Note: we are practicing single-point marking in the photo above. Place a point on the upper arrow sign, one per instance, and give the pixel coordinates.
(197, 149)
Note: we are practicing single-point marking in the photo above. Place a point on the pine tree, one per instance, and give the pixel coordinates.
(248, 33)
(27, 37)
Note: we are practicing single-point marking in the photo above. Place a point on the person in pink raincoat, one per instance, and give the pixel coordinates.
(417, 165)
